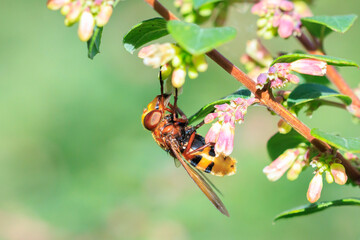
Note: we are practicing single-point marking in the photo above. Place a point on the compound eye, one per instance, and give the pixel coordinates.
(152, 119)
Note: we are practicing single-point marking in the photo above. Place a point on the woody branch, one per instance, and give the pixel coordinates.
(265, 97)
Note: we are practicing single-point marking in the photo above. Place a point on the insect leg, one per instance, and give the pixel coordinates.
(199, 125)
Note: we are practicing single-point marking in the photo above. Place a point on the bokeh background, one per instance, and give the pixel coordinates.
(76, 163)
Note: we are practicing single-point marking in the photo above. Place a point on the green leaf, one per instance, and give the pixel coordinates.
(320, 26)
(199, 3)
(145, 32)
(304, 78)
(279, 143)
(317, 207)
(198, 40)
(350, 144)
(209, 108)
(308, 92)
(94, 42)
(289, 58)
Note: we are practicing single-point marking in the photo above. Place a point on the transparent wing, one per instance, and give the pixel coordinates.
(200, 181)
(177, 162)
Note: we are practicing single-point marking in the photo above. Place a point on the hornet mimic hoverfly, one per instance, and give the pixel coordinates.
(170, 129)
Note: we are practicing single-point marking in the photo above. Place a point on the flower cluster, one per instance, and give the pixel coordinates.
(203, 13)
(222, 131)
(277, 17)
(257, 58)
(87, 12)
(293, 159)
(280, 73)
(174, 62)
(333, 172)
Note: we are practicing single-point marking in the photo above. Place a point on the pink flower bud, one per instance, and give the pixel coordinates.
(350, 156)
(279, 166)
(213, 133)
(156, 55)
(262, 80)
(210, 117)
(86, 26)
(56, 4)
(74, 13)
(309, 66)
(286, 6)
(286, 26)
(178, 77)
(259, 8)
(338, 171)
(147, 51)
(315, 187)
(104, 15)
(225, 142)
(293, 78)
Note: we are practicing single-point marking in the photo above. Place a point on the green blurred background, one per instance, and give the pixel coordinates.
(76, 163)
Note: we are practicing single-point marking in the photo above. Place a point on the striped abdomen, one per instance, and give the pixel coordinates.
(206, 160)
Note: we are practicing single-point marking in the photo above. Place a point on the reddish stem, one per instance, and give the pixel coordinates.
(265, 97)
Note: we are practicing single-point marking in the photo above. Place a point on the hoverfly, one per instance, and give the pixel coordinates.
(170, 129)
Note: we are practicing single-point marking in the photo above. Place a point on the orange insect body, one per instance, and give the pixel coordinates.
(175, 136)
(198, 154)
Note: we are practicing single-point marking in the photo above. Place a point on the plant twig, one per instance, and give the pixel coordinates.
(265, 97)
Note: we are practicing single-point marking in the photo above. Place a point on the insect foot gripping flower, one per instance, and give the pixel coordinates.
(257, 58)
(222, 131)
(277, 17)
(88, 12)
(280, 73)
(315, 187)
(173, 61)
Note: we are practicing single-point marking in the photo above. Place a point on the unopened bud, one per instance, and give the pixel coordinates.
(284, 127)
(56, 4)
(104, 15)
(295, 170)
(286, 6)
(74, 13)
(186, 8)
(206, 10)
(338, 171)
(309, 66)
(178, 77)
(65, 9)
(166, 71)
(192, 73)
(176, 61)
(200, 63)
(261, 22)
(329, 177)
(315, 187)
(86, 26)
(190, 18)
